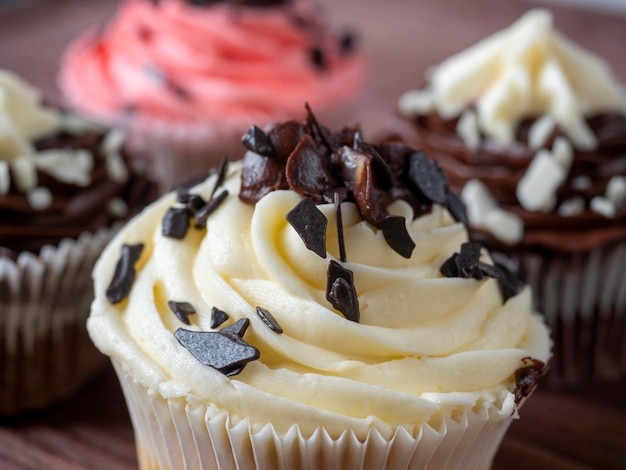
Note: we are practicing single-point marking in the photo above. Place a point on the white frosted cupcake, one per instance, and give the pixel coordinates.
(65, 188)
(252, 327)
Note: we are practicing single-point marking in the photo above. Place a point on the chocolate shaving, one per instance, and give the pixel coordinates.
(467, 265)
(340, 239)
(238, 328)
(340, 291)
(456, 208)
(527, 377)
(397, 236)
(427, 177)
(510, 284)
(203, 214)
(221, 176)
(224, 352)
(182, 310)
(449, 268)
(217, 317)
(257, 141)
(124, 275)
(269, 320)
(309, 222)
(176, 222)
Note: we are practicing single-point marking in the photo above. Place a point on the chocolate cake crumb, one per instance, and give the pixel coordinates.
(340, 291)
(225, 353)
(257, 141)
(527, 377)
(176, 222)
(309, 222)
(182, 310)
(124, 275)
(217, 317)
(269, 320)
(397, 236)
(203, 213)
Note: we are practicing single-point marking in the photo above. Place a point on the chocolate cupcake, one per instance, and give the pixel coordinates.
(65, 188)
(532, 129)
(316, 305)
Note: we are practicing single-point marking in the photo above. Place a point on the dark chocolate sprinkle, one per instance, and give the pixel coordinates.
(397, 236)
(510, 285)
(238, 328)
(195, 203)
(491, 271)
(203, 213)
(176, 222)
(257, 141)
(318, 58)
(182, 310)
(449, 268)
(337, 198)
(340, 291)
(218, 317)
(456, 208)
(468, 261)
(309, 222)
(527, 377)
(221, 175)
(269, 320)
(226, 353)
(427, 177)
(124, 274)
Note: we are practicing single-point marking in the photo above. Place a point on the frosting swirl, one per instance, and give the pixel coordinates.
(404, 363)
(223, 63)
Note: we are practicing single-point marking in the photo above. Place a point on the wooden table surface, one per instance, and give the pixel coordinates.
(401, 38)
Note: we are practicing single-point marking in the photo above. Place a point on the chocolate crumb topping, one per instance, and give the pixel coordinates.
(269, 320)
(340, 291)
(309, 222)
(527, 377)
(182, 310)
(124, 275)
(217, 317)
(176, 222)
(257, 141)
(227, 353)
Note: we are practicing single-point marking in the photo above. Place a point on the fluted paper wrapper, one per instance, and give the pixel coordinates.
(583, 298)
(176, 433)
(45, 352)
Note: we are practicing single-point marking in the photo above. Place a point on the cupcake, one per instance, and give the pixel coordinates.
(316, 304)
(532, 129)
(186, 78)
(65, 187)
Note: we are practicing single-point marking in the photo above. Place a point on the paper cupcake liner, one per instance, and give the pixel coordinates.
(179, 433)
(583, 298)
(45, 352)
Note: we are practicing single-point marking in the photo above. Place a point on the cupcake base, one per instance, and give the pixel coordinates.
(45, 351)
(182, 433)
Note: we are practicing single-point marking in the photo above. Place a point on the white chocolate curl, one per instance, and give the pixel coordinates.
(526, 70)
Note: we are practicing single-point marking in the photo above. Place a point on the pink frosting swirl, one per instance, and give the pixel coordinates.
(178, 62)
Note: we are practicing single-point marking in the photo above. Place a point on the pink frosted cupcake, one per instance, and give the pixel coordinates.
(187, 77)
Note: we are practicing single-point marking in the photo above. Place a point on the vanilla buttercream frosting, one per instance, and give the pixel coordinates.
(425, 346)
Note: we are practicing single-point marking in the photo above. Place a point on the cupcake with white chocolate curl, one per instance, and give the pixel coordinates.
(65, 187)
(532, 130)
(316, 302)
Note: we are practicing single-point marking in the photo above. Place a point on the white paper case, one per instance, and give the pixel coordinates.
(173, 433)
(583, 298)
(45, 352)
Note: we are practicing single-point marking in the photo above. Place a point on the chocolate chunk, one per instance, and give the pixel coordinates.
(337, 199)
(238, 328)
(340, 291)
(384, 176)
(456, 208)
(468, 261)
(176, 222)
(427, 177)
(318, 58)
(182, 310)
(397, 236)
(221, 176)
(204, 212)
(449, 268)
(218, 317)
(257, 141)
(124, 274)
(195, 203)
(510, 284)
(269, 320)
(527, 377)
(309, 222)
(261, 175)
(226, 353)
